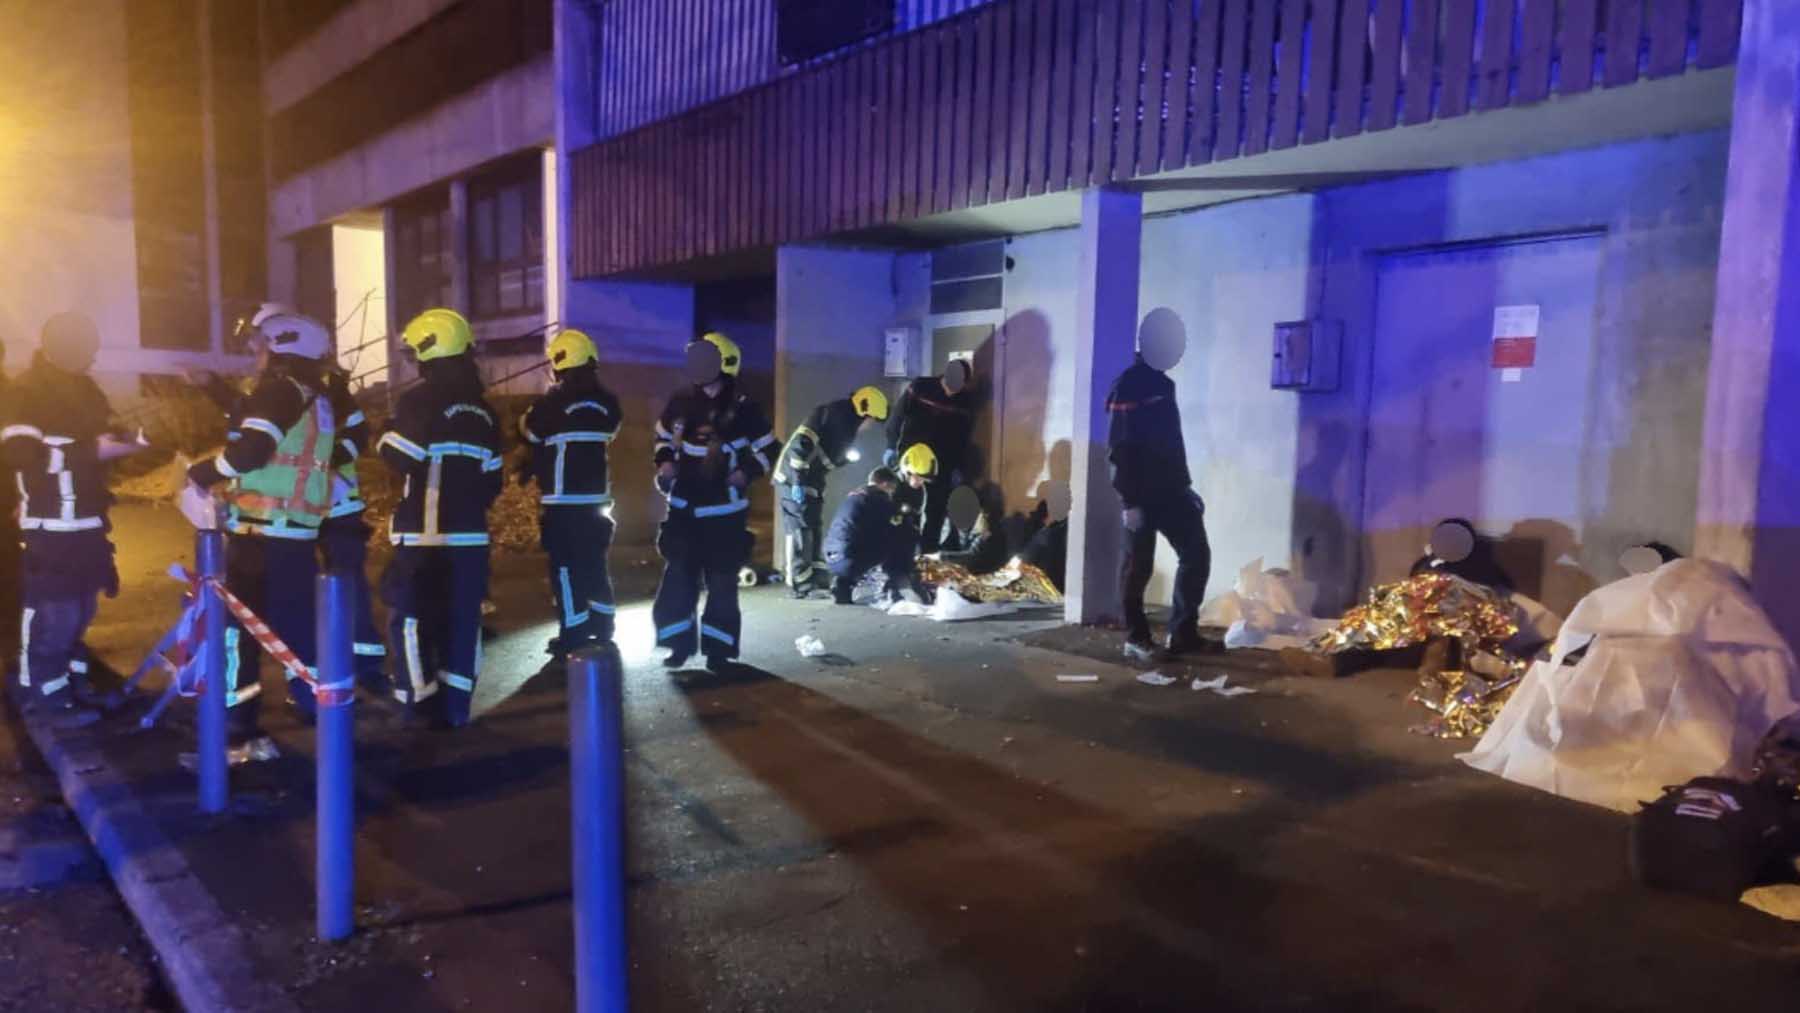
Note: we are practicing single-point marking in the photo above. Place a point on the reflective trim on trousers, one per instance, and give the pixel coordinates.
(718, 634)
(571, 617)
(362, 650)
(461, 682)
(601, 608)
(232, 663)
(675, 630)
(56, 685)
(415, 667)
(722, 508)
(25, 618)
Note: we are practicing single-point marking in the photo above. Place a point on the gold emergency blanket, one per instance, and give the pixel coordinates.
(1433, 606)
(1421, 608)
(1015, 582)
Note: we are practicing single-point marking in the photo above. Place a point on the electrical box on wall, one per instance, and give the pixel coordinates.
(1306, 355)
(900, 353)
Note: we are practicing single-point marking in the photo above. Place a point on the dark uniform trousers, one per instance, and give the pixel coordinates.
(577, 540)
(1181, 518)
(937, 506)
(52, 653)
(433, 595)
(700, 553)
(344, 548)
(804, 521)
(274, 578)
(894, 557)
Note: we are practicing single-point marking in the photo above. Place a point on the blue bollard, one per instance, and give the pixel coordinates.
(335, 697)
(215, 782)
(597, 801)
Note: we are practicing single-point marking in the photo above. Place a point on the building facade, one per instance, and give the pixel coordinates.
(130, 181)
(1433, 257)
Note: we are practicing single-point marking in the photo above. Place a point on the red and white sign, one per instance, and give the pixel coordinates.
(1515, 336)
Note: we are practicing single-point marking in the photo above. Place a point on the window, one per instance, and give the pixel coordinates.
(422, 255)
(506, 241)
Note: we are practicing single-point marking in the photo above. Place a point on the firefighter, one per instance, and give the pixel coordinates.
(936, 411)
(712, 441)
(444, 443)
(278, 463)
(820, 445)
(56, 440)
(343, 537)
(864, 536)
(1150, 473)
(569, 429)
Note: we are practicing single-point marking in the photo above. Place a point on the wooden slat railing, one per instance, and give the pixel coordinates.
(1022, 97)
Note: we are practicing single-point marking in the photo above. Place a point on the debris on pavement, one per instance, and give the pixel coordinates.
(809, 646)
(1271, 609)
(1077, 678)
(1219, 685)
(1464, 704)
(1155, 679)
(1015, 582)
(1782, 900)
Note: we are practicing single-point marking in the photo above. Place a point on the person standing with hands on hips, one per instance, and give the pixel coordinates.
(711, 442)
(1150, 473)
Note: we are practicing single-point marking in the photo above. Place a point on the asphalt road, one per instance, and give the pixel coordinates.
(928, 819)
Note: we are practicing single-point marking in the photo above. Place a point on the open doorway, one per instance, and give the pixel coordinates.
(359, 273)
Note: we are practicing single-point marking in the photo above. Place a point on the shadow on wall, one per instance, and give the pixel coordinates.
(1024, 396)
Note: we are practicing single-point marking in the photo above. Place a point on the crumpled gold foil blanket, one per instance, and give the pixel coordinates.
(1015, 582)
(1421, 608)
(1463, 704)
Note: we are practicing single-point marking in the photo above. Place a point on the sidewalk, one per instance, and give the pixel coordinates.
(930, 820)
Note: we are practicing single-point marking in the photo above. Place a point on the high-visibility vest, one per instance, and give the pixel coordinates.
(290, 495)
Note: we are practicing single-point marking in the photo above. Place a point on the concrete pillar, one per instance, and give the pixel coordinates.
(1749, 506)
(1105, 340)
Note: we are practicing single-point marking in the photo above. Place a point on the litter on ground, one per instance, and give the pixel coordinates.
(1218, 685)
(1156, 679)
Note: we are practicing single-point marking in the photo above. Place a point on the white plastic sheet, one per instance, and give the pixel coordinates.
(950, 607)
(1682, 676)
(1267, 608)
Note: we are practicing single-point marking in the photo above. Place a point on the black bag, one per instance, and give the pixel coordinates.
(1712, 836)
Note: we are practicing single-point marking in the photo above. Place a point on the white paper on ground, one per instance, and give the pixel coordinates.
(1682, 677)
(1156, 679)
(809, 646)
(950, 607)
(1077, 678)
(1218, 685)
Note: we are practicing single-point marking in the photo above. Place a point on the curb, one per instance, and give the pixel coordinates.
(205, 958)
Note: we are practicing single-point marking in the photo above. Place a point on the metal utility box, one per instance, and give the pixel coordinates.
(1306, 355)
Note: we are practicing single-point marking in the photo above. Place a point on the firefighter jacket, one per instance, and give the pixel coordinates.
(445, 445)
(50, 431)
(708, 438)
(930, 415)
(863, 527)
(819, 445)
(277, 457)
(352, 435)
(1143, 438)
(569, 430)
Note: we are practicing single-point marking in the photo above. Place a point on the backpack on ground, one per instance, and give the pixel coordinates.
(1713, 836)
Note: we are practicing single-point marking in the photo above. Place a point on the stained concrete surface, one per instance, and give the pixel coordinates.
(930, 820)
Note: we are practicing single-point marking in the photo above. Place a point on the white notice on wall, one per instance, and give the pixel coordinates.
(1516, 321)
(897, 353)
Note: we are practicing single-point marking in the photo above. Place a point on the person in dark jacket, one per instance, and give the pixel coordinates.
(936, 411)
(444, 443)
(277, 462)
(55, 435)
(975, 542)
(569, 430)
(712, 441)
(1457, 548)
(866, 534)
(818, 446)
(1150, 474)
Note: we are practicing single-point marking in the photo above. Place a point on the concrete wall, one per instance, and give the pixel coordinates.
(506, 115)
(66, 234)
(832, 307)
(1282, 472)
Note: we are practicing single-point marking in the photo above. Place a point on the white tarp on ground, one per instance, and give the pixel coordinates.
(1682, 677)
(1268, 608)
